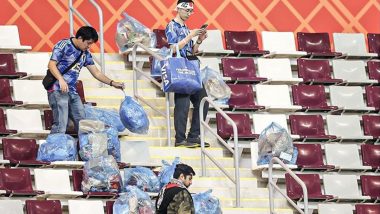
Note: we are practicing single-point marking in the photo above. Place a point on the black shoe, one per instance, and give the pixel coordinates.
(180, 144)
(197, 141)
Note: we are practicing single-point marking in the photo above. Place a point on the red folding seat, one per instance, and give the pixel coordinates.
(161, 38)
(316, 71)
(316, 44)
(240, 69)
(371, 125)
(80, 91)
(21, 151)
(311, 97)
(6, 94)
(371, 155)
(7, 67)
(309, 127)
(3, 128)
(48, 121)
(17, 181)
(373, 96)
(374, 70)
(243, 123)
(367, 208)
(43, 207)
(242, 97)
(310, 156)
(77, 176)
(243, 43)
(313, 186)
(373, 42)
(370, 186)
(109, 207)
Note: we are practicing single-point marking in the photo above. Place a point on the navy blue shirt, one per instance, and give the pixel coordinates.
(175, 32)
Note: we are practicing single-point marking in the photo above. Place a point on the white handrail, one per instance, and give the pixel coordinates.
(235, 151)
(272, 185)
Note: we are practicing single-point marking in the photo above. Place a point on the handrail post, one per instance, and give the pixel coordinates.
(71, 18)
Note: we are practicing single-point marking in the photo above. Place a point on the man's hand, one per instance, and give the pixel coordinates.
(63, 85)
(202, 36)
(197, 32)
(118, 85)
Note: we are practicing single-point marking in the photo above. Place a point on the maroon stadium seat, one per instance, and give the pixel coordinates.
(80, 91)
(48, 120)
(240, 69)
(43, 207)
(242, 121)
(374, 70)
(370, 186)
(17, 181)
(242, 97)
(373, 96)
(308, 127)
(161, 38)
(109, 207)
(77, 176)
(367, 208)
(3, 128)
(371, 125)
(243, 42)
(312, 182)
(316, 71)
(310, 156)
(7, 67)
(311, 97)
(21, 151)
(373, 42)
(316, 44)
(371, 155)
(5, 94)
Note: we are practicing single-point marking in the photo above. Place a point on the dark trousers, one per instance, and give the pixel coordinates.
(181, 112)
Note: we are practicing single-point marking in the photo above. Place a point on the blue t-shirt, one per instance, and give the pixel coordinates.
(175, 32)
(65, 53)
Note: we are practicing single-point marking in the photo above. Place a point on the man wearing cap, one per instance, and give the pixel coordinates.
(178, 33)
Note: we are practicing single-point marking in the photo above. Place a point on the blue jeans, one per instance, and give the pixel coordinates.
(65, 106)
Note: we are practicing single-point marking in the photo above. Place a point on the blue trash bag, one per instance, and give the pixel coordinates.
(205, 203)
(133, 201)
(133, 116)
(58, 147)
(113, 145)
(107, 116)
(143, 178)
(101, 174)
(275, 141)
(167, 171)
(155, 68)
(214, 84)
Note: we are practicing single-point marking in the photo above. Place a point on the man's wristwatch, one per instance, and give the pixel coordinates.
(199, 42)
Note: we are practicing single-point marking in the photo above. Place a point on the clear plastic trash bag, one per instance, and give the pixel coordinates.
(101, 175)
(113, 145)
(107, 116)
(205, 203)
(275, 141)
(133, 116)
(133, 201)
(155, 67)
(143, 178)
(213, 82)
(58, 147)
(167, 171)
(129, 31)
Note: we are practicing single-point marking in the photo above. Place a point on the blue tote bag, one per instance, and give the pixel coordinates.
(181, 75)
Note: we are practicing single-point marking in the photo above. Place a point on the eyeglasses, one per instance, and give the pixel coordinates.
(189, 11)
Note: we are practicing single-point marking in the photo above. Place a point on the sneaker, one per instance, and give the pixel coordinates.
(198, 142)
(180, 144)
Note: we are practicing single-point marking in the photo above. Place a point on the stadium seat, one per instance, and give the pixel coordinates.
(3, 129)
(275, 98)
(311, 98)
(17, 182)
(373, 42)
(80, 91)
(373, 96)
(240, 70)
(352, 72)
(11, 207)
(6, 94)
(371, 125)
(85, 207)
(371, 155)
(43, 207)
(161, 38)
(213, 45)
(344, 187)
(34, 64)
(48, 122)
(210, 62)
(352, 45)
(10, 39)
(262, 121)
(57, 187)
(316, 72)
(31, 92)
(281, 44)
(345, 127)
(310, 156)
(349, 98)
(242, 97)
(335, 208)
(27, 122)
(7, 67)
(243, 43)
(309, 127)
(77, 177)
(109, 207)
(278, 71)
(243, 123)
(370, 186)
(374, 70)
(338, 154)
(21, 151)
(313, 186)
(367, 208)
(316, 45)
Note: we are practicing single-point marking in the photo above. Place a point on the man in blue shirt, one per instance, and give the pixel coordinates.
(63, 97)
(178, 33)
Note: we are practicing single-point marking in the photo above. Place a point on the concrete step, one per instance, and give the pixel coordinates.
(257, 203)
(211, 182)
(195, 161)
(117, 99)
(89, 81)
(111, 92)
(216, 172)
(228, 210)
(148, 110)
(175, 151)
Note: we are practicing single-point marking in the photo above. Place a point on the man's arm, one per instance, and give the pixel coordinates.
(199, 41)
(103, 78)
(54, 70)
(181, 204)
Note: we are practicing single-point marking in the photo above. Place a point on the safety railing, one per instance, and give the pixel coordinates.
(73, 11)
(138, 70)
(272, 185)
(234, 151)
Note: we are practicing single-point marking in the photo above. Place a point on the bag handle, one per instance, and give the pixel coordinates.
(177, 51)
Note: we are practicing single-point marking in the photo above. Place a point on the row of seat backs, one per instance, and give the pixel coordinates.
(328, 208)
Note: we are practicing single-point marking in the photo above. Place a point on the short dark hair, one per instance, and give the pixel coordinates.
(87, 33)
(181, 1)
(183, 169)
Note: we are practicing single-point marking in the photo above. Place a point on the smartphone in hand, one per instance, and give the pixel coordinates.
(204, 26)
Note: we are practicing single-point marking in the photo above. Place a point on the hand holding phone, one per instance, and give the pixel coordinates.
(204, 26)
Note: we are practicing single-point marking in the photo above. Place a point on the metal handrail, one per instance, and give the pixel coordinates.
(235, 151)
(136, 70)
(73, 11)
(272, 185)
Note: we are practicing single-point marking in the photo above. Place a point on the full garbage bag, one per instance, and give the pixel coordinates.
(205, 203)
(133, 116)
(58, 147)
(107, 116)
(143, 178)
(215, 87)
(167, 171)
(133, 201)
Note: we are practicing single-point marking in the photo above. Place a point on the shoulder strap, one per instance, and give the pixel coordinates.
(72, 64)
